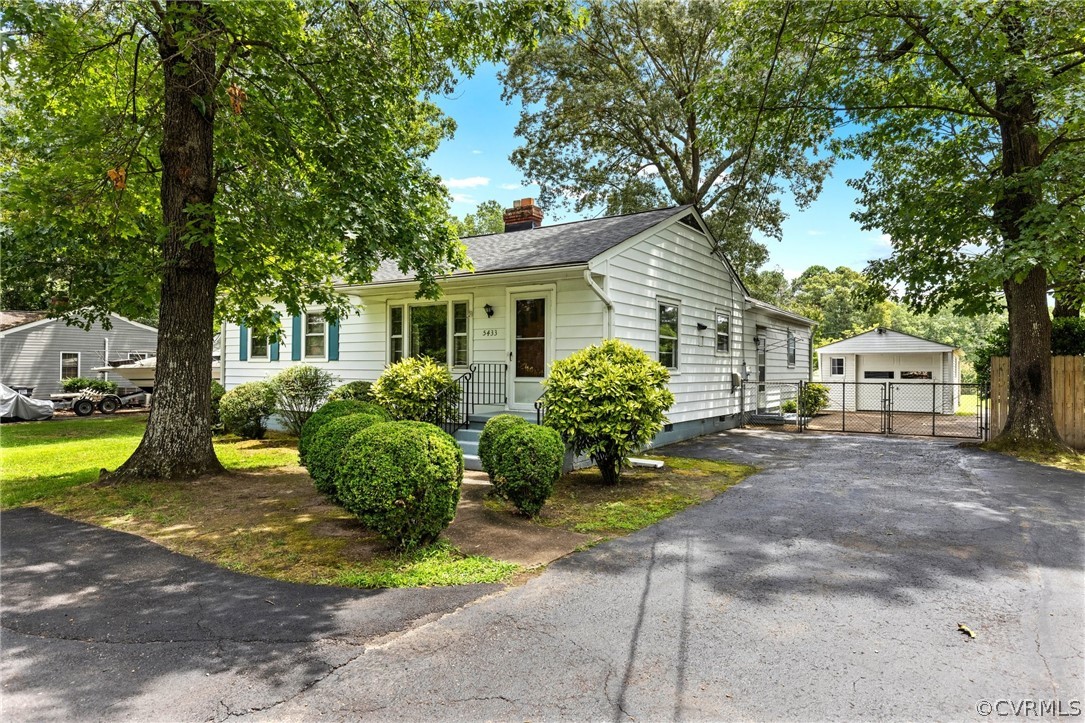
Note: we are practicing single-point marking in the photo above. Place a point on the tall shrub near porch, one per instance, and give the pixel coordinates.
(607, 401)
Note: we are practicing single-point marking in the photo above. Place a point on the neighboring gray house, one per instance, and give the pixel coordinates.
(40, 353)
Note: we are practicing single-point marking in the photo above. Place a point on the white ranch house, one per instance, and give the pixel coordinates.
(539, 293)
(878, 357)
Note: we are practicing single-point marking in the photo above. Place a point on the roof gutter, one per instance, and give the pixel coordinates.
(602, 297)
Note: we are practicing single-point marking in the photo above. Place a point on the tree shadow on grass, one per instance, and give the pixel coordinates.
(98, 623)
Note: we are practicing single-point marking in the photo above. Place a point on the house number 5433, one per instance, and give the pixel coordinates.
(489, 332)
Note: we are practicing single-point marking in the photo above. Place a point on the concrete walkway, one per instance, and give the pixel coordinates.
(830, 586)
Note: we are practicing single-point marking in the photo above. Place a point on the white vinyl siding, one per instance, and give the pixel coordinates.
(676, 262)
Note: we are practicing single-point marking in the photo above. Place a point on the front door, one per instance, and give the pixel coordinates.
(529, 355)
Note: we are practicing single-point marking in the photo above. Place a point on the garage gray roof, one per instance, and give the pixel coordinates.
(563, 244)
(884, 341)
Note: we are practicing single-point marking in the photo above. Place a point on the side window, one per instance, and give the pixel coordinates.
(790, 348)
(668, 334)
(836, 366)
(259, 347)
(459, 334)
(395, 334)
(315, 336)
(69, 364)
(723, 332)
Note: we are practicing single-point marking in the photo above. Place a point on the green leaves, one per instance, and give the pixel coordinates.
(607, 401)
(319, 177)
(655, 102)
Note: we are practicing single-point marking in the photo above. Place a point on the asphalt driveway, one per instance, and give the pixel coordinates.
(829, 586)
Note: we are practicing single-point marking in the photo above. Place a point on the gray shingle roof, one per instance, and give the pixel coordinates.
(564, 244)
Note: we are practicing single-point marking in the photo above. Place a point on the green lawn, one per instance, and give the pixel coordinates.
(967, 405)
(39, 459)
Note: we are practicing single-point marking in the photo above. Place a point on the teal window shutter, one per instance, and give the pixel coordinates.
(243, 343)
(295, 339)
(273, 350)
(333, 342)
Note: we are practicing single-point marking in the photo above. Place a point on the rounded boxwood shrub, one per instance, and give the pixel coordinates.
(245, 409)
(415, 389)
(358, 391)
(326, 448)
(607, 401)
(494, 429)
(527, 462)
(330, 411)
(402, 480)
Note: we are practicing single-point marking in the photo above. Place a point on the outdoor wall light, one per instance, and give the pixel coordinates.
(489, 310)
(701, 327)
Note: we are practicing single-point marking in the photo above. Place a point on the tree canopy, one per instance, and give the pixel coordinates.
(200, 158)
(488, 217)
(654, 103)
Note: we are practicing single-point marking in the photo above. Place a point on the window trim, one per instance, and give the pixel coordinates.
(305, 356)
(452, 333)
(664, 301)
(843, 367)
(78, 364)
(402, 336)
(727, 315)
(792, 349)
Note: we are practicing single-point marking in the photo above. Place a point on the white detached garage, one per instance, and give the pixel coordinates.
(922, 375)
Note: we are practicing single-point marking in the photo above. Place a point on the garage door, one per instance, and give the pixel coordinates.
(911, 374)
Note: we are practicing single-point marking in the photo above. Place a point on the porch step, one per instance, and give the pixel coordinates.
(481, 418)
(468, 436)
(471, 461)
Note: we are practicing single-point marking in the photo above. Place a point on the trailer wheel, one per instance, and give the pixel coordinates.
(109, 404)
(83, 407)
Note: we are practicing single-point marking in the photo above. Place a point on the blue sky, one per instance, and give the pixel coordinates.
(475, 166)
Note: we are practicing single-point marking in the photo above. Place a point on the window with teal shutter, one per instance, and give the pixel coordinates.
(295, 339)
(333, 341)
(243, 343)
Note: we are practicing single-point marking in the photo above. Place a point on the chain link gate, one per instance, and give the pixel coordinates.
(933, 409)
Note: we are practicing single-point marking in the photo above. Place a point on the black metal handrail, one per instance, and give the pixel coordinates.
(540, 410)
(452, 408)
(489, 381)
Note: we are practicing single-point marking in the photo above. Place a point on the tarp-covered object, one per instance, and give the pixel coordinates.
(15, 406)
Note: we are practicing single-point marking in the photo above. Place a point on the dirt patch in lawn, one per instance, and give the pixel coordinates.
(273, 522)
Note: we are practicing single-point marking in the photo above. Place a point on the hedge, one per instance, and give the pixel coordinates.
(330, 411)
(527, 461)
(326, 448)
(495, 427)
(402, 480)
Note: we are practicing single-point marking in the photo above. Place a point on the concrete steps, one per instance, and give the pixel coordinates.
(468, 437)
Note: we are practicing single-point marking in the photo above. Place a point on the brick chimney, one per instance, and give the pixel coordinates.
(523, 215)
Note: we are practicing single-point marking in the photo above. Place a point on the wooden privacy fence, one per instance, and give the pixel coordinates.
(1068, 382)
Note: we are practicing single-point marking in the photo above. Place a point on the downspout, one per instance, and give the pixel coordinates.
(222, 354)
(604, 298)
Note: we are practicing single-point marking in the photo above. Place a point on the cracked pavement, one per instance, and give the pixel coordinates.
(828, 586)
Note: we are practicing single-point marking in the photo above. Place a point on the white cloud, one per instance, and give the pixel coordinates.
(463, 198)
(511, 186)
(815, 232)
(792, 274)
(649, 170)
(885, 240)
(472, 182)
(476, 152)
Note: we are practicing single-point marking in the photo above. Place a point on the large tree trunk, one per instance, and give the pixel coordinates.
(1031, 417)
(177, 442)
